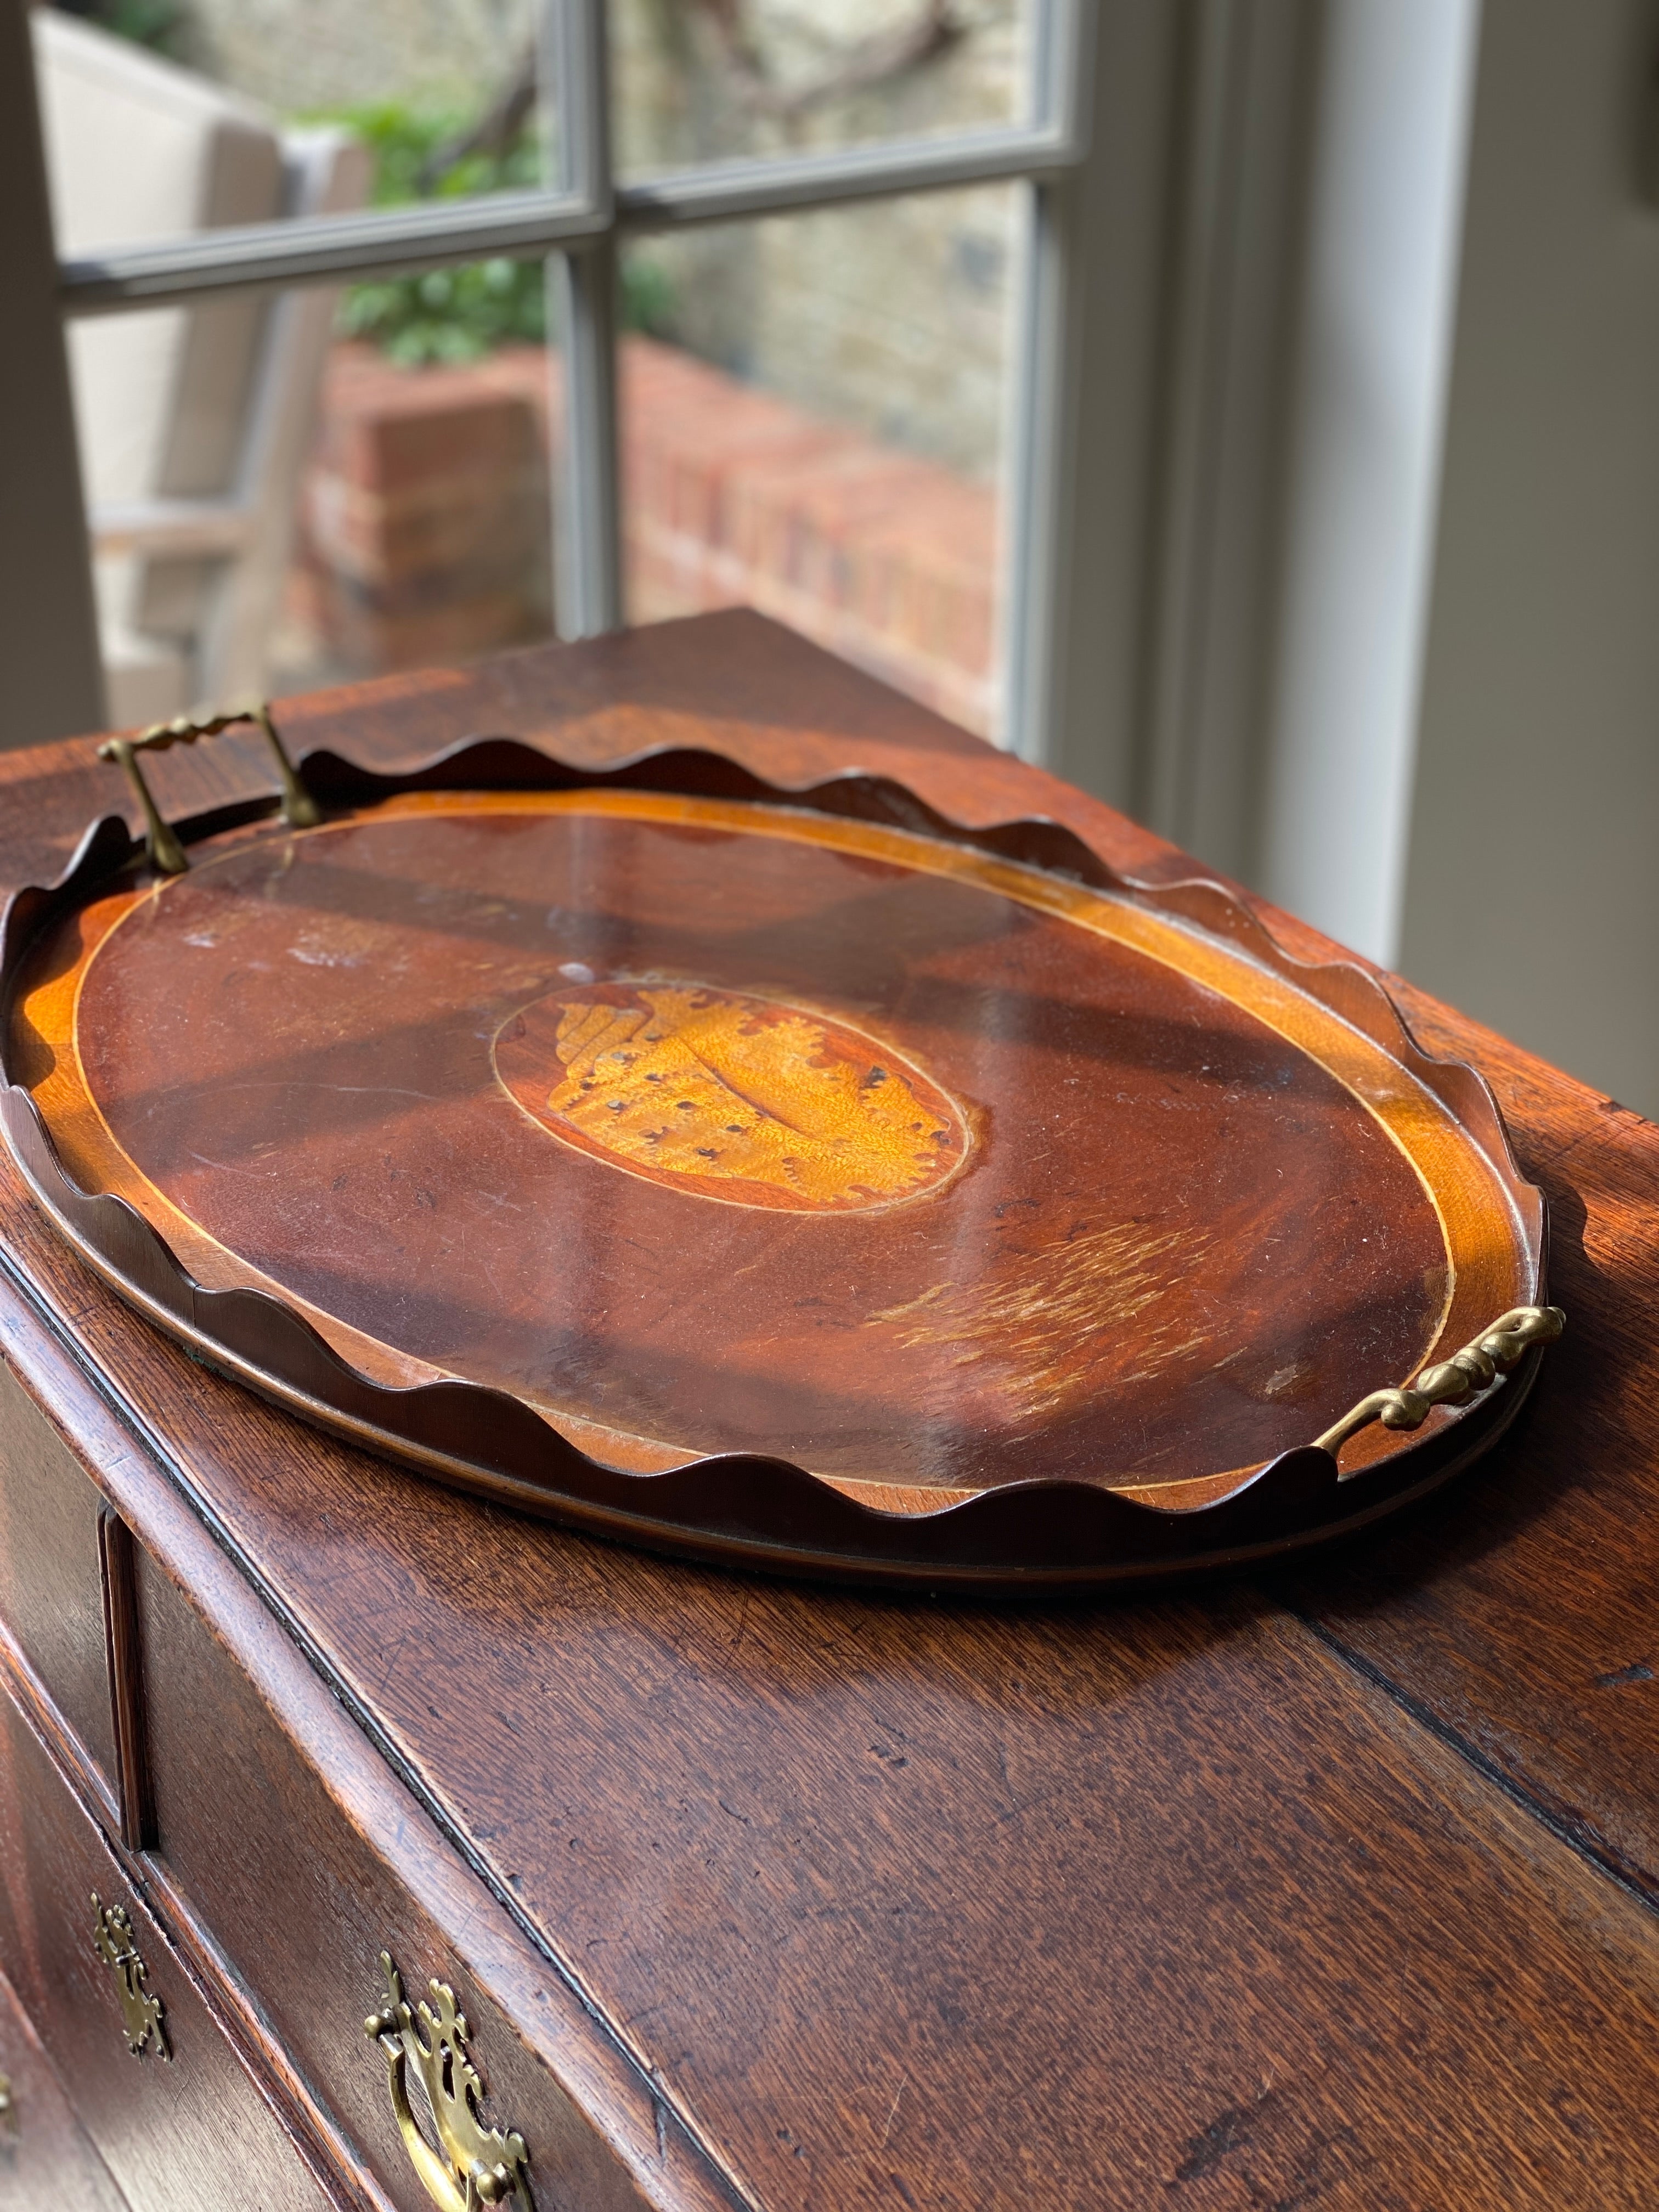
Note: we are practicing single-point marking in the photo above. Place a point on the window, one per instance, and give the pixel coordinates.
(802, 168)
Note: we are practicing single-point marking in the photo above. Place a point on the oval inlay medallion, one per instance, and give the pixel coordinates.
(730, 1096)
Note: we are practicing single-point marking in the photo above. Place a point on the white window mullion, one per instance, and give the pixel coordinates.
(582, 303)
(1036, 494)
(579, 214)
(1044, 395)
(1086, 408)
(586, 489)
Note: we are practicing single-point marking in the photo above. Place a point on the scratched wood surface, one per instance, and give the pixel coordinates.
(1338, 1894)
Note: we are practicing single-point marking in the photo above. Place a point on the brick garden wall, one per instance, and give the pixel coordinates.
(735, 497)
(426, 523)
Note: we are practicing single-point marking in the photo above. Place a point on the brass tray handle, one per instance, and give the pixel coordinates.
(166, 854)
(473, 2166)
(1449, 1381)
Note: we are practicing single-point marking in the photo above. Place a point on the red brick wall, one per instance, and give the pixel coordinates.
(426, 525)
(734, 497)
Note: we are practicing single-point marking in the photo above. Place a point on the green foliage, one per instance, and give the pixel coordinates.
(647, 296)
(161, 25)
(453, 315)
(402, 138)
(449, 314)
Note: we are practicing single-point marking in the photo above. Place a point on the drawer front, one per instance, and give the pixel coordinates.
(187, 2130)
(50, 1586)
(45, 2160)
(301, 1904)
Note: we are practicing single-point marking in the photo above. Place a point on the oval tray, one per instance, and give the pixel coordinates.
(788, 1176)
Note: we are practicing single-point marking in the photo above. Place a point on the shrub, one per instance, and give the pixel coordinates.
(459, 314)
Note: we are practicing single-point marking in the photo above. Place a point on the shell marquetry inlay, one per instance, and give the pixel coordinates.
(730, 1096)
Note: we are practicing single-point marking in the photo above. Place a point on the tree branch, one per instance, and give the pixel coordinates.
(869, 61)
(496, 131)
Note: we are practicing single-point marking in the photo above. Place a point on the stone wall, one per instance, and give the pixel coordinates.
(299, 56)
(820, 437)
(733, 497)
(891, 317)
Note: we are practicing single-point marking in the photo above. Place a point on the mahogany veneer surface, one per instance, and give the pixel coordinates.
(1340, 1892)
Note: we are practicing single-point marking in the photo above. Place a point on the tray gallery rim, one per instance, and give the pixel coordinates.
(745, 1506)
(1438, 1153)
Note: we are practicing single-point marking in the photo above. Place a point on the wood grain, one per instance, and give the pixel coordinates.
(349, 1763)
(50, 1575)
(902, 1903)
(1078, 1213)
(1165, 1238)
(316, 1962)
(1087, 1883)
(46, 2159)
(1519, 1615)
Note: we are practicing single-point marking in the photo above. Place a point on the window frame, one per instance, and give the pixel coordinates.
(579, 222)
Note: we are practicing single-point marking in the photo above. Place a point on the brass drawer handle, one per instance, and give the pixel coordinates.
(473, 2164)
(166, 854)
(143, 2016)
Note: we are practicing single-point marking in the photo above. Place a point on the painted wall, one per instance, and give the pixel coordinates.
(1385, 207)
(1531, 892)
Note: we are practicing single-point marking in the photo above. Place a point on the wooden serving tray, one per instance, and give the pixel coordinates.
(788, 1176)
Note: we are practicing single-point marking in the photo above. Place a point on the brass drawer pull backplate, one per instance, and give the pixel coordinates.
(473, 2166)
(143, 2016)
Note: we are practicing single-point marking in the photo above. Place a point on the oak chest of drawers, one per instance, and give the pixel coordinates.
(752, 1894)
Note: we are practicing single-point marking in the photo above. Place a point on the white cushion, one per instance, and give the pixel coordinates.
(146, 679)
(138, 148)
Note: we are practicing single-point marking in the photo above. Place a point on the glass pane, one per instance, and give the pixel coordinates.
(167, 116)
(425, 526)
(368, 479)
(714, 80)
(812, 411)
